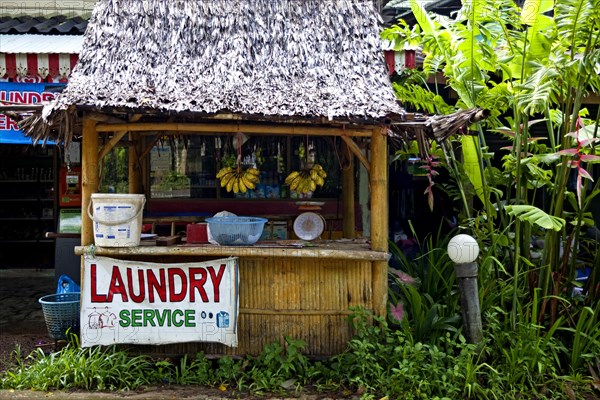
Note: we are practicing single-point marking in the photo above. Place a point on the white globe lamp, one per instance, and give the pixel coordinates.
(463, 249)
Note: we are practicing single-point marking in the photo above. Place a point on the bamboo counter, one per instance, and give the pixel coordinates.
(300, 292)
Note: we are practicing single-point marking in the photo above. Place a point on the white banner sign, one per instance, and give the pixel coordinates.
(147, 303)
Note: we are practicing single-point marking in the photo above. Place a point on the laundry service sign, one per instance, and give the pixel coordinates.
(147, 303)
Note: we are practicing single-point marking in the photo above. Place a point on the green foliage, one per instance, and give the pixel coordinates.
(114, 171)
(535, 216)
(278, 367)
(421, 99)
(198, 371)
(509, 364)
(530, 64)
(173, 180)
(383, 362)
(73, 367)
(425, 289)
(529, 357)
(584, 345)
(380, 361)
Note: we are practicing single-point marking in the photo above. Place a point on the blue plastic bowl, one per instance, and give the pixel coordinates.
(236, 231)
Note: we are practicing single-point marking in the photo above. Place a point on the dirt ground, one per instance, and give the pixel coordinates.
(21, 319)
(27, 344)
(151, 393)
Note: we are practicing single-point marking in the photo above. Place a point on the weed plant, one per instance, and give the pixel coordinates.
(93, 368)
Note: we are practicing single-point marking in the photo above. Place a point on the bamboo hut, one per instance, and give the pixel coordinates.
(261, 67)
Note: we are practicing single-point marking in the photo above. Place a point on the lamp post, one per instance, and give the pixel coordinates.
(463, 250)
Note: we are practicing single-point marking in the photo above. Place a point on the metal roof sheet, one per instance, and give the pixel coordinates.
(57, 25)
(65, 44)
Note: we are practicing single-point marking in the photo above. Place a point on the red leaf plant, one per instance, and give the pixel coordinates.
(579, 157)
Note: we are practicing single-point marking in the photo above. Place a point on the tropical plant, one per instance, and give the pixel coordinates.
(531, 66)
(422, 293)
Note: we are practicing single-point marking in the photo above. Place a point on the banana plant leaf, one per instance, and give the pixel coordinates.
(535, 216)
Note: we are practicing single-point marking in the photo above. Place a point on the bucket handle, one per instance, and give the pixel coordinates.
(113, 223)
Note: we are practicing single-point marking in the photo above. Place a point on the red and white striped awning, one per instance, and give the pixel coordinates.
(37, 67)
(38, 58)
(399, 60)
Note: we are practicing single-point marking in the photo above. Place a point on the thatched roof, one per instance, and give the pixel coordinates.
(309, 58)
(436, 127)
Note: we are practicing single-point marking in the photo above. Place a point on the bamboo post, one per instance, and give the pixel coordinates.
(89, 178)
(349, 223)
(379, 217)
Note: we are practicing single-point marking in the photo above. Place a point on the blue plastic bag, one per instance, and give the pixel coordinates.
(67, 285)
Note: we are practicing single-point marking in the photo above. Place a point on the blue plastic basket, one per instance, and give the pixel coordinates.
(61, 312)
(236, 231)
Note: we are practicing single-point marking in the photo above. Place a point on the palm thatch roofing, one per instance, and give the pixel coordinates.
(437, 128)
(309, 59)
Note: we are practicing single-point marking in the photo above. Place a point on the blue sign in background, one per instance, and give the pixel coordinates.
(22, 93)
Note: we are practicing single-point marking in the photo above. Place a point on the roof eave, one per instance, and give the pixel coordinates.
(234, 117)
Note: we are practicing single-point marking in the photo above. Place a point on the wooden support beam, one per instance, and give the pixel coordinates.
(211, 129)
(379, 217)
(118, 135)
(108, 146)
(89, 178)
(349, 221)
(106, 118)
(353, 147)
(149, 146)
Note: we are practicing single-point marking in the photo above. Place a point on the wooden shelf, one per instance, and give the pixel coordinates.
(317, 250)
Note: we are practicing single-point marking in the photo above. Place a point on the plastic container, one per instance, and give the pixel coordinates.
(197, 233)
(61, 312)
(117, 219)
(236, 231)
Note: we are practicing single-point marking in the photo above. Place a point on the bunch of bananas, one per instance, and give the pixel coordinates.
(238, 179)
(306, 180)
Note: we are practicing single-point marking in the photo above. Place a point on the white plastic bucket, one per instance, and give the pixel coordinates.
(117, 219)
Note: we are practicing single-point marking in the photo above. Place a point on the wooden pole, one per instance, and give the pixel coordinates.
(89, 178)
(353, 147)
(379, 217)
(349, 222)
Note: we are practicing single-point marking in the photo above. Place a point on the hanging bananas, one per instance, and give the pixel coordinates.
(306, 180)
(238, 179)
